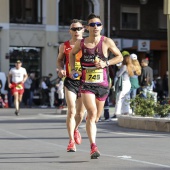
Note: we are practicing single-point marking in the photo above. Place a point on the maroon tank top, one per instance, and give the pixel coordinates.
(90, 74)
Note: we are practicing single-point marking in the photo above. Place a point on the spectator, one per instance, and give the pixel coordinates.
(165, 84)
(146, 78)
(44, 93)
(60, 91)
(2, 104)
(48, 80)
(0, 86)
(52, 96)
(159, 88)
(10, 97)
(32, 88)
(134, 79)
(27, 86)
(123, 95)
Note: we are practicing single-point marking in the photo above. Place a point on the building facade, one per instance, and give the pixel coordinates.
(31, 30)
(141, 27)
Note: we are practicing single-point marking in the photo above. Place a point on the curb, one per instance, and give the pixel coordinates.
(145, 123)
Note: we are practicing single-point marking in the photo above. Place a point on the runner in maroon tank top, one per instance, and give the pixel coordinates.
(95, 78)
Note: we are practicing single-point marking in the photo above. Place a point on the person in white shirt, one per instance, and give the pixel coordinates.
(60, 92)
(52, 96)
(16, 79)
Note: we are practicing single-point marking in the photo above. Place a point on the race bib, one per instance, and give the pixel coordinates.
(19, 87)
(94, 76)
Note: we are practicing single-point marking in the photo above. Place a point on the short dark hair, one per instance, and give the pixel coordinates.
(91, 16)
(145, 61)
(50, 74)
(75, 21)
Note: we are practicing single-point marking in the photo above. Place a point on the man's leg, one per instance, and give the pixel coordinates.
(100, 106)
(71, 105)
(80, 111)
(89, 101)
(16, 102)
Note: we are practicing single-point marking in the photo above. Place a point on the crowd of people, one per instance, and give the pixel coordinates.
(84, 69)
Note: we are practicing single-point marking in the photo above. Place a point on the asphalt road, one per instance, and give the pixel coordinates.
(37, 140)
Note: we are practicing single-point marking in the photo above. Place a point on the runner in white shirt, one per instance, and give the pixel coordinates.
(16, 78)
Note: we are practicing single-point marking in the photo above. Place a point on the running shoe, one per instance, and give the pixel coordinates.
(94, 153)
(77, 137)
(71, 146)
(16, 112)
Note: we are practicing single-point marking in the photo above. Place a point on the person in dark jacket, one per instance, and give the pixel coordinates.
(146, 78)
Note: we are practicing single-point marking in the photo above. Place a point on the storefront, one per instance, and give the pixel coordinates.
(154, 50)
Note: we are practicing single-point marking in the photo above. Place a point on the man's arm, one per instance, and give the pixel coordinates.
(73, 52)
(60, 61)
(115, 51)
(109, 45)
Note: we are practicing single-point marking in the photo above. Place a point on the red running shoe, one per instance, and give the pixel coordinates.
(77, 137)
(94, 153)
(71, 146)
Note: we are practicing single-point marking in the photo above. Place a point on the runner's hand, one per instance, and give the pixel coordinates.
(61, 73)
(100, 64)
(72, 74)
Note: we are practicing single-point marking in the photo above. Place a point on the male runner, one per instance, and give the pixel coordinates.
(75, 106)
(16, 78)
(95, 77)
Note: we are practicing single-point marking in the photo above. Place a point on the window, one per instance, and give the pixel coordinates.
(71, 9)
(162, 20)
(130, 18)
(26, 11)
(30, 57)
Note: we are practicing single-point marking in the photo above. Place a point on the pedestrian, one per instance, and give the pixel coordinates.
(44, 93)
(107, 104)
(60, 92)
(52, 95)
(0, 86)
(146, 78)
(10, 96)
(134, 79)
(16, 79)
(165, 84)
(32, 89)
(2, 103)
(122, 106)
(48, 80)
(27, 86)
(75, 106)
(95, 75)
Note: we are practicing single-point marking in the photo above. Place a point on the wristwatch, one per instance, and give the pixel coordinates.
(107, 63)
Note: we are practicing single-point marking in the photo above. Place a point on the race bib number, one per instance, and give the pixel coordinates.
(94, 76)
(19, 87)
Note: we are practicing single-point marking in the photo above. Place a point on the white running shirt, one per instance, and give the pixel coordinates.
(17, 74)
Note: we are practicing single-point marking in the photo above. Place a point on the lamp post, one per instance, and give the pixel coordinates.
(167, 12)
(108, 22)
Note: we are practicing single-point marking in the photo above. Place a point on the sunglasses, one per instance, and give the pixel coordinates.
(76, 28)
(92, 24)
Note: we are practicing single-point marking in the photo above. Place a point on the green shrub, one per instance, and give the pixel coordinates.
(148, 107)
